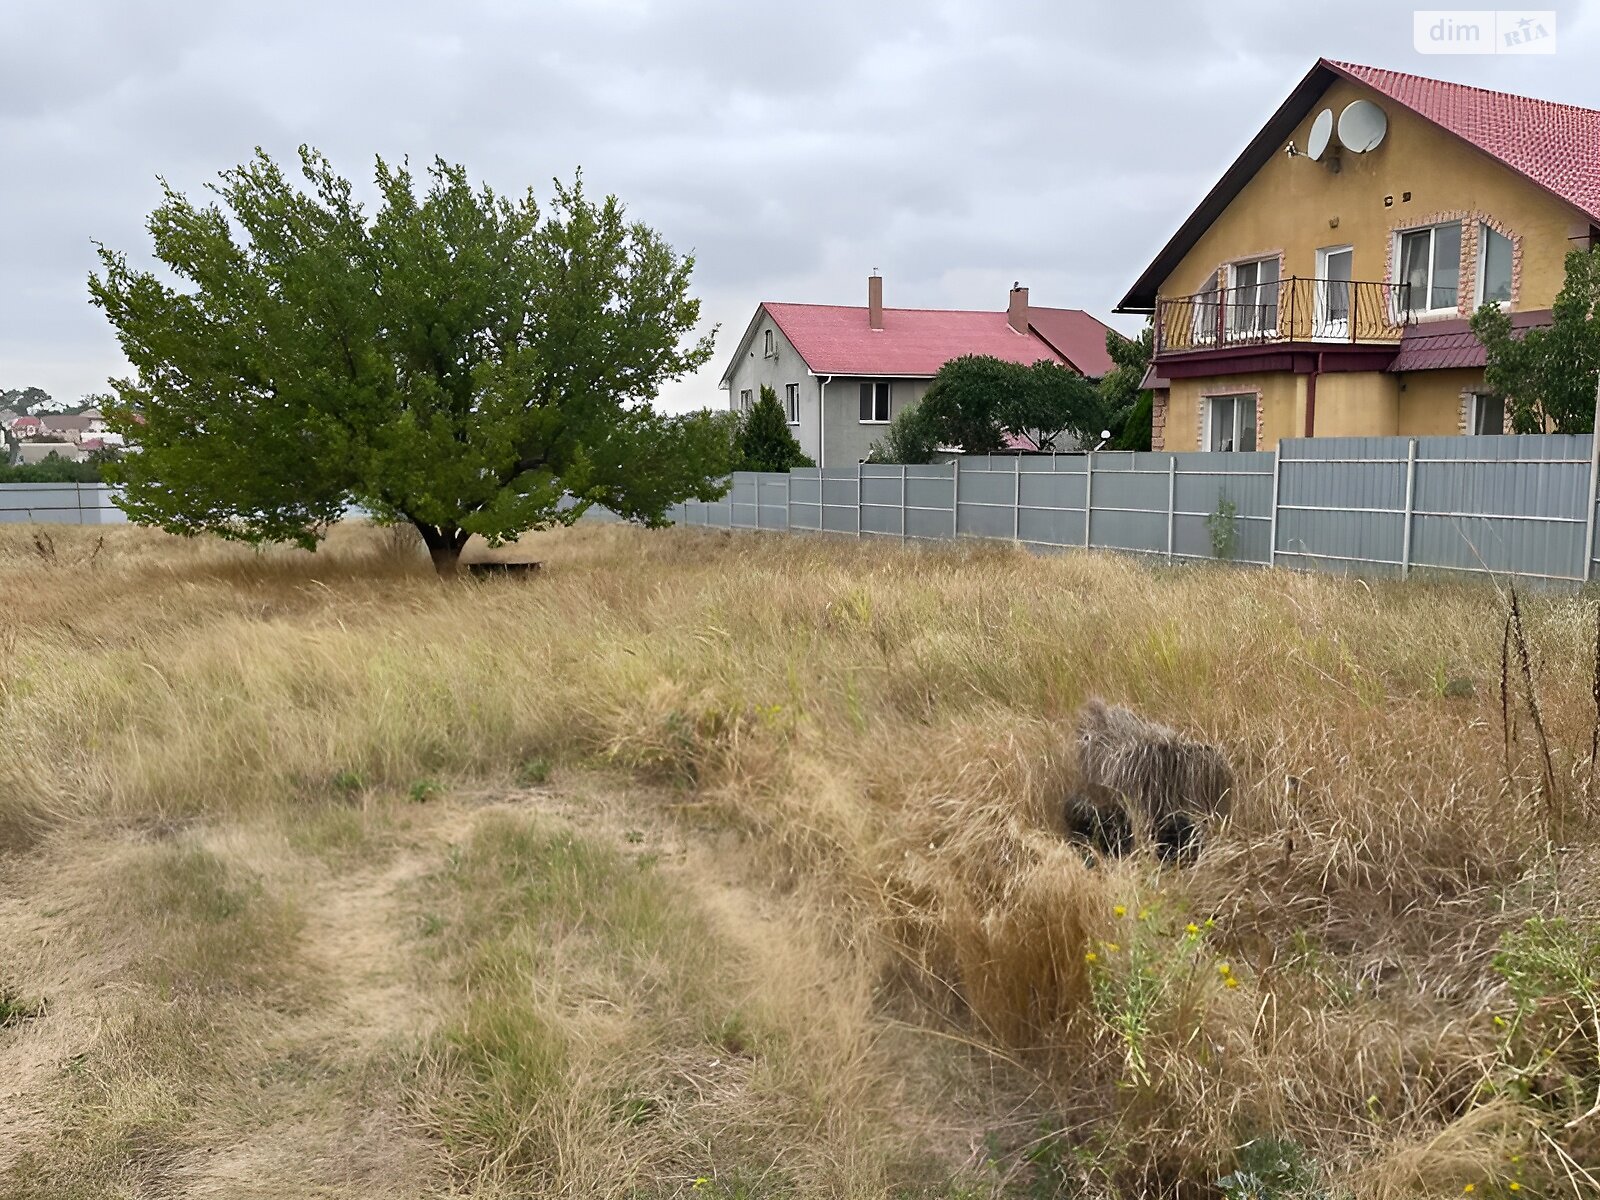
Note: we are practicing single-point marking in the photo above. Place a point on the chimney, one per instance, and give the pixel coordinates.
(875, 300)
(1017, 310)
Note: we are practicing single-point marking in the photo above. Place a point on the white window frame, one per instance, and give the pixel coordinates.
(1474, 399)
(791, 402)
(1400, 235)
(1326, 326)
(1236, 399)
(1484, 230)
(768, 345)
(746, 399)
(887, 395)
(1230, 329)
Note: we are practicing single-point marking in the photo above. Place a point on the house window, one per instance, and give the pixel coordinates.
(1486, 413)
(791, 402)
(1430, 267)
(1253, 297)
(1233, 422)
(767, 350)
(874, 403)
(746, 400)
(1494, 266)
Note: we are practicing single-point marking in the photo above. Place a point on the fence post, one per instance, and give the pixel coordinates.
(1016, 502)
(858, 499)
(1411, 487)
(1594, 497)
(788, 501)
(902, 502)
(955, 498)
(1172, 499)
(1088, 497)
(1272, 524)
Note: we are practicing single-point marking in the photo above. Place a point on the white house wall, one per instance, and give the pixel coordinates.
(785, 367)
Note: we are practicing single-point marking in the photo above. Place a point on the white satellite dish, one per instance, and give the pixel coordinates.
(1362, 126)
(1321, 131)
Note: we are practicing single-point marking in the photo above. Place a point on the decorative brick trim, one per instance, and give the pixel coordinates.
(1158, 419)
(1464, 421)
(1467, 274)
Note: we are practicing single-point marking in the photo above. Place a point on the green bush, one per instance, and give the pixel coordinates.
(54, 469)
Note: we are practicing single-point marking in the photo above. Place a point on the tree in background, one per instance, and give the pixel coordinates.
(1128, 407)
(456, 360)
(977, 402)
(765, 443)
(26, 401)
(909, 440)
(1548, 375)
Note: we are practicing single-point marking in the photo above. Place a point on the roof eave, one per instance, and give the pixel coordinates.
(1141, 298)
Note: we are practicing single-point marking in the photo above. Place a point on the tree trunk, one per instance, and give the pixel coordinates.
(444, 544)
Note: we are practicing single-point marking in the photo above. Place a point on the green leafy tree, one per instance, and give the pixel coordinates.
(25, 400)
(456, 360)
(1128, 407)
(765, 443)
(909, 440)
(1548, 375)
(976, 401)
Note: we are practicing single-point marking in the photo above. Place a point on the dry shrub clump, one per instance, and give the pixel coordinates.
(1333, 1000)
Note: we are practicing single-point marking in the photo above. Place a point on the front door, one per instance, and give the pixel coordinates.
(1334, 293)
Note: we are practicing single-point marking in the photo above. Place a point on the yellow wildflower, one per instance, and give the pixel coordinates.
(1144, 914)
(1191, 927)
(1224, 969)
(1091, 957)
(701, 1184)
(1513, 1186)
(1230, 981)
(1470, 1188)
(1120, 910)
(1516, 1158)
(1112, 947)
(1210, 924)
(1499, 1021)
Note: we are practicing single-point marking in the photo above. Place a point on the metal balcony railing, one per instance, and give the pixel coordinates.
(1287, 310)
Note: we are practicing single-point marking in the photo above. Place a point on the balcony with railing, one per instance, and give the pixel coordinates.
(1292, 310)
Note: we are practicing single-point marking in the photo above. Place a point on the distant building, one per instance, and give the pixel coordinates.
(843, 372)
(27, 453)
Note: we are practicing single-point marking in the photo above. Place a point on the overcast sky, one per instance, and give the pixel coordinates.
(791, 148)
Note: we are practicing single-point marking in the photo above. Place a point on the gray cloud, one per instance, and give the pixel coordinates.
(955, 145)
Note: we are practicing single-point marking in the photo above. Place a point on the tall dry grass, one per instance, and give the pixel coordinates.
(891, 725)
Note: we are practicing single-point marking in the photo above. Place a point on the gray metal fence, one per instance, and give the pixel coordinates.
(60, 503)
(1513, 505)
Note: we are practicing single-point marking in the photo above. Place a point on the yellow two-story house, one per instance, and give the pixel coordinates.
(1324, 285)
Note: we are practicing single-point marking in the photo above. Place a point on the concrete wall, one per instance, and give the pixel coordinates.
(784, 367)
(1291, 207)
(849, 438)
(60, 504)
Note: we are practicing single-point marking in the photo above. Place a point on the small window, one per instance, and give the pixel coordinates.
(1430, 267)
(1494, 266)
(1486, 413)
(874, 403)
(746, 400)
(767, 350)
(791, 402)
(1233, 422)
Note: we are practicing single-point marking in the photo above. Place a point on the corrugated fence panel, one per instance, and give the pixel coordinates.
(1502, 504)
(1512, 504)
(60, 504)
(805, 499)
(988, 497)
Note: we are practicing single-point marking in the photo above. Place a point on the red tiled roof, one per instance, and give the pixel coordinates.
(1442, 345)
(30, 422)
(835, 339)
(1076, 336)
(1557, 146)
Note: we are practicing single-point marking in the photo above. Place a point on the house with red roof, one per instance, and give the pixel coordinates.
(843, 373)
(1324, 284)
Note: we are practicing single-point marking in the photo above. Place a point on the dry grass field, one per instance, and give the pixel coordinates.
(731, 866)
